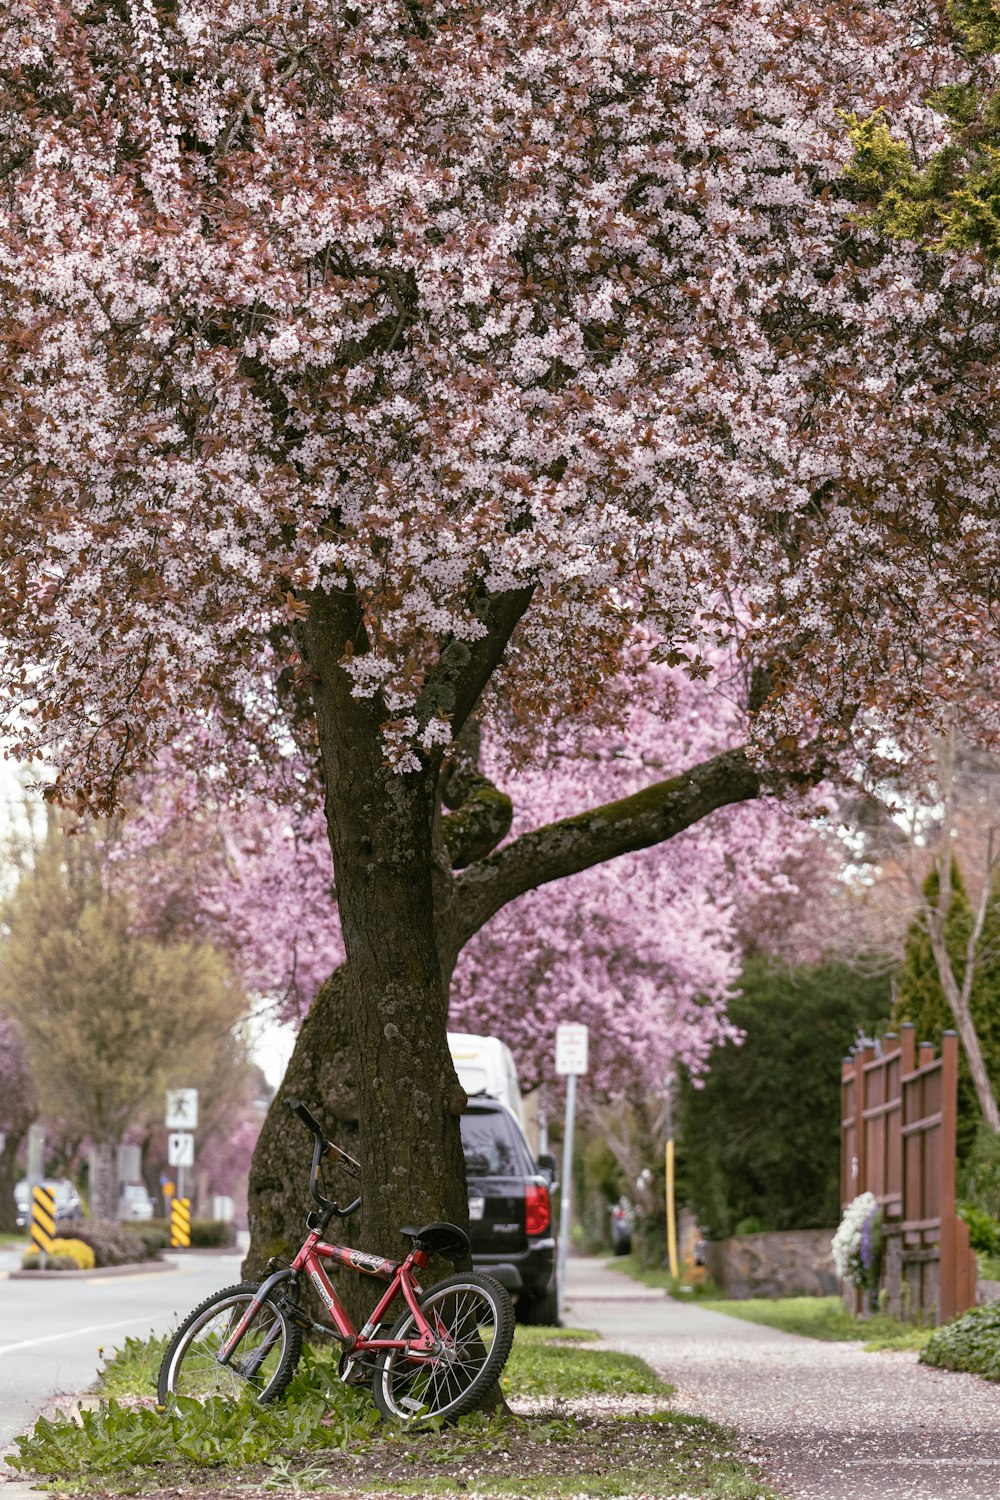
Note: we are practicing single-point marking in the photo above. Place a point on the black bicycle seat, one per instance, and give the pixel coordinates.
(446, 1240)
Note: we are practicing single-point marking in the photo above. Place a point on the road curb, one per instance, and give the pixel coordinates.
(134, 1268)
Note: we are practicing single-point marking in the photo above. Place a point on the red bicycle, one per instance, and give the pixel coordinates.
(440, 1358)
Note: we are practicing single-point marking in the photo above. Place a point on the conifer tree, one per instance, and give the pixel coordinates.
(920, 997)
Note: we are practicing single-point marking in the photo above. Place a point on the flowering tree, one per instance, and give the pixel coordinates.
(365, 366)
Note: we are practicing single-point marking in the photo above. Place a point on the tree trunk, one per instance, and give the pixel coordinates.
(386, 1007)
(103, 1182)
(8, 1177)
(958, 1002)
(321, 1072)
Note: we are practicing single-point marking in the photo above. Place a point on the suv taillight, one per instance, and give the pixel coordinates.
(536, 1208)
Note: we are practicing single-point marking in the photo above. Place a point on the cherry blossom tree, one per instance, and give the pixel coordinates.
(363, 369)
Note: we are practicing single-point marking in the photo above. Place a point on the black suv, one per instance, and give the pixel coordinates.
(510, 1209)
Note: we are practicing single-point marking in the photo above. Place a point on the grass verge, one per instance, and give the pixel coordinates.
(325, 1436)
(813, 1317)
(824, 1318)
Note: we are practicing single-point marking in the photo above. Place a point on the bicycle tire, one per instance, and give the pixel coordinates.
(189, 1367)
(461, 1308)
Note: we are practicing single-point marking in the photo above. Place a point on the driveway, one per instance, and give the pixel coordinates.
(826, 1421)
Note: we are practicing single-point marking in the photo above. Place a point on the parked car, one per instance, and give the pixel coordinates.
(134, 1203)
(485, 1065)
(510, 1209)
(67, 1200)
(621, 1227)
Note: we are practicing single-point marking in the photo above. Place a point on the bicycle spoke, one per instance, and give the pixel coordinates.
(463, 1319)
(198, 1371)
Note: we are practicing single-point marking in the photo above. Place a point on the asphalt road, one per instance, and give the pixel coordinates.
(51, 1330)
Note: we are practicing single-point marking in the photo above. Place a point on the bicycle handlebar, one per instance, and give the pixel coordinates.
(331, 1151)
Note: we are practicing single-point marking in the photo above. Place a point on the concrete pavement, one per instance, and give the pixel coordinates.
(825, 1420)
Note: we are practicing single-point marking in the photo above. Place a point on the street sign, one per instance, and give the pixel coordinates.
(571, 1048)
(180, 1149)
(182, 1109)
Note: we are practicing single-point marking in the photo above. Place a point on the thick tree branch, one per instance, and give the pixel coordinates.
(573, 844)
(474, 829)
(480, 814)
(455, 685)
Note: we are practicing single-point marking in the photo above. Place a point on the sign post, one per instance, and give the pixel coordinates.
(182, 1119)
(668, 1178)
(571, 1059)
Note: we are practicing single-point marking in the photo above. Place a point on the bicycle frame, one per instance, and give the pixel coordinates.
(355, 1341)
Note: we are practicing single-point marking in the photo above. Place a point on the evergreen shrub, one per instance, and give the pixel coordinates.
(112, 1244)
(971, 1343)
(212, 1233)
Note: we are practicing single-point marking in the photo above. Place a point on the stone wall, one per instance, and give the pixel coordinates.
(788, 1263)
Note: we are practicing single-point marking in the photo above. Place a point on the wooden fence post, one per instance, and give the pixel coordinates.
(948, 1299)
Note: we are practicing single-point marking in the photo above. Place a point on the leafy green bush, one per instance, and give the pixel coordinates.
(155, 1235)
(112, 1244)
(211, 1233)
(971, 1342)
(984, 1230)
(66, 1255)
(32, 1261)
(760, 1138)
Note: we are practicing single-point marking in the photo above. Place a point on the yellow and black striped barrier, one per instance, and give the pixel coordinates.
(43, 1219)
(180, 1223)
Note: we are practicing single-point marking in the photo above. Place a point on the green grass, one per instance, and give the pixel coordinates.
(325, 1435)
(989, 1268)
(824, 1318)
(660, 1279)
(17, 1241)
(540, 1364)
(133, 1369)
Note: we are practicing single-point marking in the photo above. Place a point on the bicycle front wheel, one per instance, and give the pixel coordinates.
(263, 1361)
(473, 1318)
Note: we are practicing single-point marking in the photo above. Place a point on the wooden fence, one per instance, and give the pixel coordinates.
(897, 1141)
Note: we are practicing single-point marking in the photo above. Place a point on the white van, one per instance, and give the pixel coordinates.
(485, 1065)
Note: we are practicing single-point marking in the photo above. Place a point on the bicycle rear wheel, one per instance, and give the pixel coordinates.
(264, 1360)
(473, 1318)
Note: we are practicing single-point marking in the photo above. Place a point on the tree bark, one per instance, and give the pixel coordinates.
(8, 1178)
(392, 992)
(959, 996)
(104, 1182)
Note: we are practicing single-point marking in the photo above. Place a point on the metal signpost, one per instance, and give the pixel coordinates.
(571, 1059)
(182, 1120)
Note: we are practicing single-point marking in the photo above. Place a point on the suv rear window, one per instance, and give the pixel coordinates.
(493, 1146)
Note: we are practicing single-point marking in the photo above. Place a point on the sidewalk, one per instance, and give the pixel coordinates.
(826, 1421)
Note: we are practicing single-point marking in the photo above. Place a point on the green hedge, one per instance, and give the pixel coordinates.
(210, 1233)
(971, 1343)
(154, 1233)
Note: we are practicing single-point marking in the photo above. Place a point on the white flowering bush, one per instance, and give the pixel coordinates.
(857, 1244)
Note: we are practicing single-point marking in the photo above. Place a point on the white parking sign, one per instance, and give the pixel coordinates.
(180, 1149)
(571, 1048)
